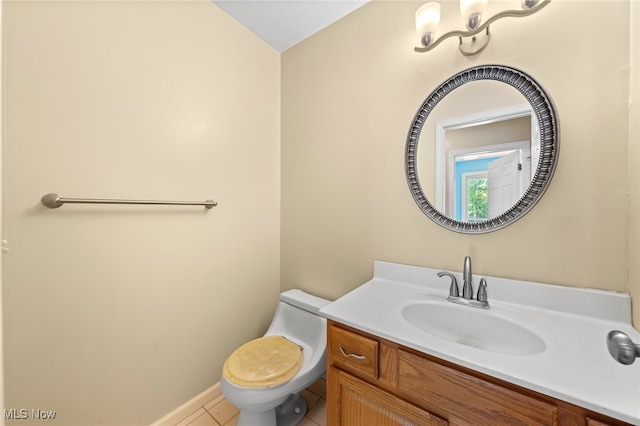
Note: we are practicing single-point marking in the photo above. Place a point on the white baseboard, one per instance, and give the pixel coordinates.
(190, 407)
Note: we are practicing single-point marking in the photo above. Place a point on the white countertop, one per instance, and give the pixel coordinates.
(575, 366)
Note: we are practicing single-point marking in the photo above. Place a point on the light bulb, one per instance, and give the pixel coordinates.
(427, 21)
(472, 11)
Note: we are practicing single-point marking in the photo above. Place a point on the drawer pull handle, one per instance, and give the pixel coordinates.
(346, 355)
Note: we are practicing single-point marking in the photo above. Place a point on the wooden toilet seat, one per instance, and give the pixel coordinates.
(265, 362)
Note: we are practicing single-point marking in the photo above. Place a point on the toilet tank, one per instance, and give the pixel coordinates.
(302, 300)
(297, 317)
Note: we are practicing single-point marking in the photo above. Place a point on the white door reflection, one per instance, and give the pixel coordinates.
(465, 190)
(486, 181)
(505, 183)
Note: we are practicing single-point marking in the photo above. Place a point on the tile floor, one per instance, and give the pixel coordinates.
(221, 412)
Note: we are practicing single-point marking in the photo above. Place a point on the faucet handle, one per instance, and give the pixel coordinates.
(453, 289)
(482, 291)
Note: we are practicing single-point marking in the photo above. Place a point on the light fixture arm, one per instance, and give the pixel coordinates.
(481, 28)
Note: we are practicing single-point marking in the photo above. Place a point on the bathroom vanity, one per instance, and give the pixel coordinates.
(391, 384)
(387, 366)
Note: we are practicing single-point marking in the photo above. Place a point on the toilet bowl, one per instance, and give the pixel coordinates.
(264, 377)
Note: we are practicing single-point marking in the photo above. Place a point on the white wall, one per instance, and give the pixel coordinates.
(116, 315)
(349, 94)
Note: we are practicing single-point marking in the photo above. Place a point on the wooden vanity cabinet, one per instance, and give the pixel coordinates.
(372, 381)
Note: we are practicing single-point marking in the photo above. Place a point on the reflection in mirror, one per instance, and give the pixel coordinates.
(483, 162)
(474, 150)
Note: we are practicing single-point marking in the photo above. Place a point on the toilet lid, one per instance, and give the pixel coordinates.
(265, 362)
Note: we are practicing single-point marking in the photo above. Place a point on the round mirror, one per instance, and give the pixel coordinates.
(488, 146)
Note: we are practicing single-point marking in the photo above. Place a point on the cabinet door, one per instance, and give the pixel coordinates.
(469, 399)
(359, 403)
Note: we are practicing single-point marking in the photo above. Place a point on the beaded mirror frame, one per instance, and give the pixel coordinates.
(549, 146)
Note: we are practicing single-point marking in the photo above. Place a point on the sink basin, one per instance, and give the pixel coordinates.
(473, 327)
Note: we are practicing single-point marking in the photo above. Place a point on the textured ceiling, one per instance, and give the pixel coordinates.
(284, 23)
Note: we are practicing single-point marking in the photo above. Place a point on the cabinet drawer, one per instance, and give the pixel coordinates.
(591, 422)
(353, 352)
(468, 399)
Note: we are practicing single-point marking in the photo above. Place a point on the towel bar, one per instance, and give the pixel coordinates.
(54, 201)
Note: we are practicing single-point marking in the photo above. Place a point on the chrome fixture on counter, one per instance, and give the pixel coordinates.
(467, 279)
(622, 348)
(480, 301)
(428, 20)
(53, 201)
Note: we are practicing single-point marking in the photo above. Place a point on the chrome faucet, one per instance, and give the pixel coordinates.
(467, 279)
(467, 288)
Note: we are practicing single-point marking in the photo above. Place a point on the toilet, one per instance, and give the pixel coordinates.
(265, 376)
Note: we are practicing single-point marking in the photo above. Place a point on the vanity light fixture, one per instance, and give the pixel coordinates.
(428, 19)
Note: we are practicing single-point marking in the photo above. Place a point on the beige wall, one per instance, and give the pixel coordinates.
(116, 315)
(634, 162)
(348, 97)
